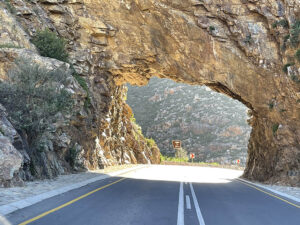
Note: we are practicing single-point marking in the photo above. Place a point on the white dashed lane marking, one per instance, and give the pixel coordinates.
(188, 202)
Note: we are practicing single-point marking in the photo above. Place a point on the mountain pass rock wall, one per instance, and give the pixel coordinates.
(235, 47)
(242, 48)
(96, 133)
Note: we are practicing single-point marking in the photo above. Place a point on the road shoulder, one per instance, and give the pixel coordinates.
(20, 204)
(284, 193)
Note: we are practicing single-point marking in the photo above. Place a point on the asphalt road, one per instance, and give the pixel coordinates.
(163, 195)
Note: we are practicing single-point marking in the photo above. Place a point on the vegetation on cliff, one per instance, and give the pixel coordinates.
(233, 47)
(33, 97)
(50, 45)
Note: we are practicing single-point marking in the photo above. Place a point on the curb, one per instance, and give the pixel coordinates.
(14, 206)
(284, 195)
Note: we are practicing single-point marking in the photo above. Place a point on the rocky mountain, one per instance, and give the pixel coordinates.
(67, 144)
(210, 124)
(96, 132)
(246, 49)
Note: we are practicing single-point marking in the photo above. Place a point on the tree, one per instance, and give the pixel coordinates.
(34, 96)
(181, 153)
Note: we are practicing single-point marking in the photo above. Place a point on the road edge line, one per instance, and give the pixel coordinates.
(21, 204)
(188, 202)
(281, 194)
(180, 214)
(69, 202)
(197, 208)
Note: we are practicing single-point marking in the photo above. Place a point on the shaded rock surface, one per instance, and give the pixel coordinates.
(211, 125)
(11, 159)
(236, 47)
(89, 137)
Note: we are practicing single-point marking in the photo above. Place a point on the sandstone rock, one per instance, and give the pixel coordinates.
(239, 58)
(60, 142)
(163, 38)
(11, 33)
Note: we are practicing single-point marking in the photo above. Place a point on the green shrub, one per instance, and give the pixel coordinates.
(248, 39)
(212, 28)
(87, 102)
(294, 34)
(72, 156)
(132, 119)
(172, 159)
(283, 23)
(297, 55)
(209, 164)
(150, 142)
(139, 129)
(50, 45)
(32, 168)
(34, 97)
(295, 78)
(286, 66)
(275, 128)
(271, 105)
(10, 7)
(286, 38)
(81, 81)
(181, 153)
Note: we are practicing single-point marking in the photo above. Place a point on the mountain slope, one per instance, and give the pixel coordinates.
(209, 124)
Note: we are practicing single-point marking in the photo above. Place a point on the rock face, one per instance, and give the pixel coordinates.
(236, 47)
(211, 125)
(90, 137)
(10, 158)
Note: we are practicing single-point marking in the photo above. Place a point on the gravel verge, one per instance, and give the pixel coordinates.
(15, 198)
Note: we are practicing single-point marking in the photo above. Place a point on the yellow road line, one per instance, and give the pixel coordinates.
(286, 201)
(69, 203)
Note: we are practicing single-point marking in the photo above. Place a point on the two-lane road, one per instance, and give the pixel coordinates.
(163, 195)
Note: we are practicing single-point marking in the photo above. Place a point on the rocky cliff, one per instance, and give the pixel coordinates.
(96, 133)
(246, 49)
(211, 125)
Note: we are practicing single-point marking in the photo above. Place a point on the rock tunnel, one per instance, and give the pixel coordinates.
(233, 46)
(228, 47)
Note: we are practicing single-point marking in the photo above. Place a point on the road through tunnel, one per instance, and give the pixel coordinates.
(225, 46)
(246, 50)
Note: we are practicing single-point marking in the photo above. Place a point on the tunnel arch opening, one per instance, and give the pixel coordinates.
(231, 49)
(213, 126)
